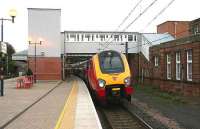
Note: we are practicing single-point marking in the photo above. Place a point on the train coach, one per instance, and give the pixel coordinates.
(109, 77)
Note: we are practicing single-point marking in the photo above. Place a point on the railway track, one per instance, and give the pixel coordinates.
(119, 118)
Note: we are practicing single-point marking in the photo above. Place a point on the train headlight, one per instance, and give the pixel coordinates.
(101, 82)
(127, 81)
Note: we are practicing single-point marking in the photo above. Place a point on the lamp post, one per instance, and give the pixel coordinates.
(35, 43)
(12, 14)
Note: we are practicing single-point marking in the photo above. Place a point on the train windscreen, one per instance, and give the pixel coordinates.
(111, 62)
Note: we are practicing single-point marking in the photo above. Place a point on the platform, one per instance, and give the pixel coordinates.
(48, 105)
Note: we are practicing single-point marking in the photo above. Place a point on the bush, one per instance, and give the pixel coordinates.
(29, 72)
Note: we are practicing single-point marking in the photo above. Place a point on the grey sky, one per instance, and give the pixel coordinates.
(104, 15)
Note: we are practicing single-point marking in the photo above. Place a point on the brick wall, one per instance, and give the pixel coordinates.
(195, 26)
(47, 68)
(177, 29)
(140, 68)
(133, 63)
(158, 75)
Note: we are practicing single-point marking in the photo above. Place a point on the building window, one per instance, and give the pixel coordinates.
(135, 38)
(77, 37)
(82, 37)
(97, 36)
(121, 37)
(169, 71)
(130, 37)
(178, 66)
(116, 37)
(92, 37)
(73, 37)
(102, 37)
(189, 65)
(196, 29)
(67, 37)
(87, 36)
(156, 61)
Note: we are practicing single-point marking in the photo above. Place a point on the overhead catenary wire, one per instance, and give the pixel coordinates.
(129, 14)
(145, 10)
(142, 13)
(167, 6)
(124, 20)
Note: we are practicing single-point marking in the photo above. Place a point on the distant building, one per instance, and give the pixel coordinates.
(178, 29)
(20, 59)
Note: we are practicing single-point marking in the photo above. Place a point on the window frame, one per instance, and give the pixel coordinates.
(156, 59)
(130, 37)
(178, 66)
(169, 69)
(189, 61)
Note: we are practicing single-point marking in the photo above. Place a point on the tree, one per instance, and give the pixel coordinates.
(10, 50)
(7, 60)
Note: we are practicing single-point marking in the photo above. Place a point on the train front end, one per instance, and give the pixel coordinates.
(113, 76)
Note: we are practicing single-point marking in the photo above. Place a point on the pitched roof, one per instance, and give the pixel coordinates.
(154, 38)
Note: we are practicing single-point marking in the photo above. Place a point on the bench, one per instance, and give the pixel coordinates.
(24, 82)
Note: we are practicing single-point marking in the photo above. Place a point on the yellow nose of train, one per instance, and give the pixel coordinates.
(109, 75)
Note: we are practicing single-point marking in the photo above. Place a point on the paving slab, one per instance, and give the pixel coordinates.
(16, 100)
(45, 113)
(86, 116)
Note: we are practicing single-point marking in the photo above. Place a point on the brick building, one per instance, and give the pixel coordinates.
(177, 29)
(194, 26)
(174, 66)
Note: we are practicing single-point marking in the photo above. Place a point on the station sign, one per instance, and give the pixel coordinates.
(3, 47)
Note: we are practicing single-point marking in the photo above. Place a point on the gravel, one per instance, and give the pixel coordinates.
(166, 113)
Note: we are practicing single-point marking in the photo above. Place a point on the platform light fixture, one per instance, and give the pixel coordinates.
(35, 43)
(12, 14)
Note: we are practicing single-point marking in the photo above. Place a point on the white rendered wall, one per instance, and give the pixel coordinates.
(44, 24)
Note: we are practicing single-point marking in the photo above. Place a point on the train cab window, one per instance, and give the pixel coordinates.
(111, 62)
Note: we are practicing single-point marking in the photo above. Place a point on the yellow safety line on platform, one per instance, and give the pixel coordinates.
(66, 119)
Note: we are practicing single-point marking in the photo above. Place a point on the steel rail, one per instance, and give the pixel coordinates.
(123, 118)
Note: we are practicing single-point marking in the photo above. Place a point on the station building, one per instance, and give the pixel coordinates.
(178, 29)
(154, 58)
(174, 66)
(50, 50)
